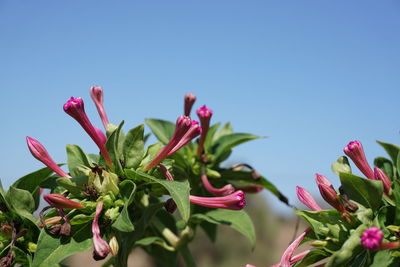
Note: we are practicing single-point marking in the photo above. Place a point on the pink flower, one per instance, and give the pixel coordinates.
(189, 101)
(96, 92)
(185, 130)
(101, 247)
(61, 202)
(234, 201)
(204, 114)
(355, 151)
(372, 238)
(101, 135)
(223, 191)
(75, 108)
(305, 197)
(380, 175)
(40, 153)
(166, 173)
(328, 193)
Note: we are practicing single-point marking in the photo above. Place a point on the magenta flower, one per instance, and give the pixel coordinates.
(40, 153)
(287, 256)
(380, 175)
(328, 193)
(234, 201)
(204, 114)
(192, 133)
(61, 202)
(320, 179)
(306, 198)
(223, 191)
(166, 173)
(355, 151)
(189, 101)
(75, 108)
(101, 135)
(101, 247)
(96, 92)
(185, 129)
(372, 238)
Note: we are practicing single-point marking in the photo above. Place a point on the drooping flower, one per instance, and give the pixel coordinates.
(184, 130)
(306, 198)
(355, 151)
(223, 191)
(380, 175)
(234, 201)
(101, 248)
(189, 101)
(204, 114)
(96, 92)
(75, 108)
(40, 153)
(372, 238)
(61, 202)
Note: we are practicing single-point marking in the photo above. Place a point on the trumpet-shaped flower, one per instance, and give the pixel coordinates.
(355, 151)
(234, 201)
(204, 115)
(40, 153)
(96, 92)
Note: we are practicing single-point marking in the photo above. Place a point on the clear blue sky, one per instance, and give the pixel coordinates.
(312, 75)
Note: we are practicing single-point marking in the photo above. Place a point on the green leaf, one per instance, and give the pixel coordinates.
(341, 165)
(147, 241)
(238, 220)
(32, 181)
(112, 146)
(123, 223)
(76, 158)
(396, 194)
(179, 190)
(312, 257)
(163, 130)
(349, 250)
(382, 258)
(22, 202)
(151, 152)
(225, 130)
(133, 147)
(210, 136)
(51, 250)
(392, 150)
(364, 191)
(81, 219)
(75, 185)
(385, 165)
(226, 142)
(398, 165)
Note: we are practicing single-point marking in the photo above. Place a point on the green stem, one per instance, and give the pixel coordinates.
(187, 256)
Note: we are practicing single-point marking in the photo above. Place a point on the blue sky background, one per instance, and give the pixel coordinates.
(311, 75)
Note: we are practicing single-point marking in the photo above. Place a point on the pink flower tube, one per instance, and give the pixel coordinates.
(61, 202)
(306, 198)
(223, 191)
(40, 153)
(189, 101)
(234, 201)
(96, 92)
(380, 175)
(355, 151)
(101, 247)
(75, 108)
(204, 114)
(193, 132)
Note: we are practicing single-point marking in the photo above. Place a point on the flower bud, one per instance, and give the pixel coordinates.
(355, 151)
(380, 175)
(114, 246)
(104, 182)
(306, 198)
(170, 206)
(372, 238)
(204, 114)
(193, 132)
(189, 101)
(61, 202)
(40, 153)
(96, 93)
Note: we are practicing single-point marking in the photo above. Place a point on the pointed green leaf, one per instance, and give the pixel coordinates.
(210, 136)
(22, 202)
(51, 249)
(341, 165)
(392, 150)
(151, 152)
(75, 185)
(123, 223)
(396, 194)
(76, 158)
(179, 190)
(163, 130)
(225, 130)
(112, 146)
(133, 147)
(364, 191)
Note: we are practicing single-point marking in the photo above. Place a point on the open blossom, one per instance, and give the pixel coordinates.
(372, 238)
(380, 175)
(96, 92)
(75, 108)
(306, 198)
(189, 101)
(204, 115)
(355, 151)
(101, 247)
(40, 153)
(234, 201)
(61, 202)
(185, 131)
